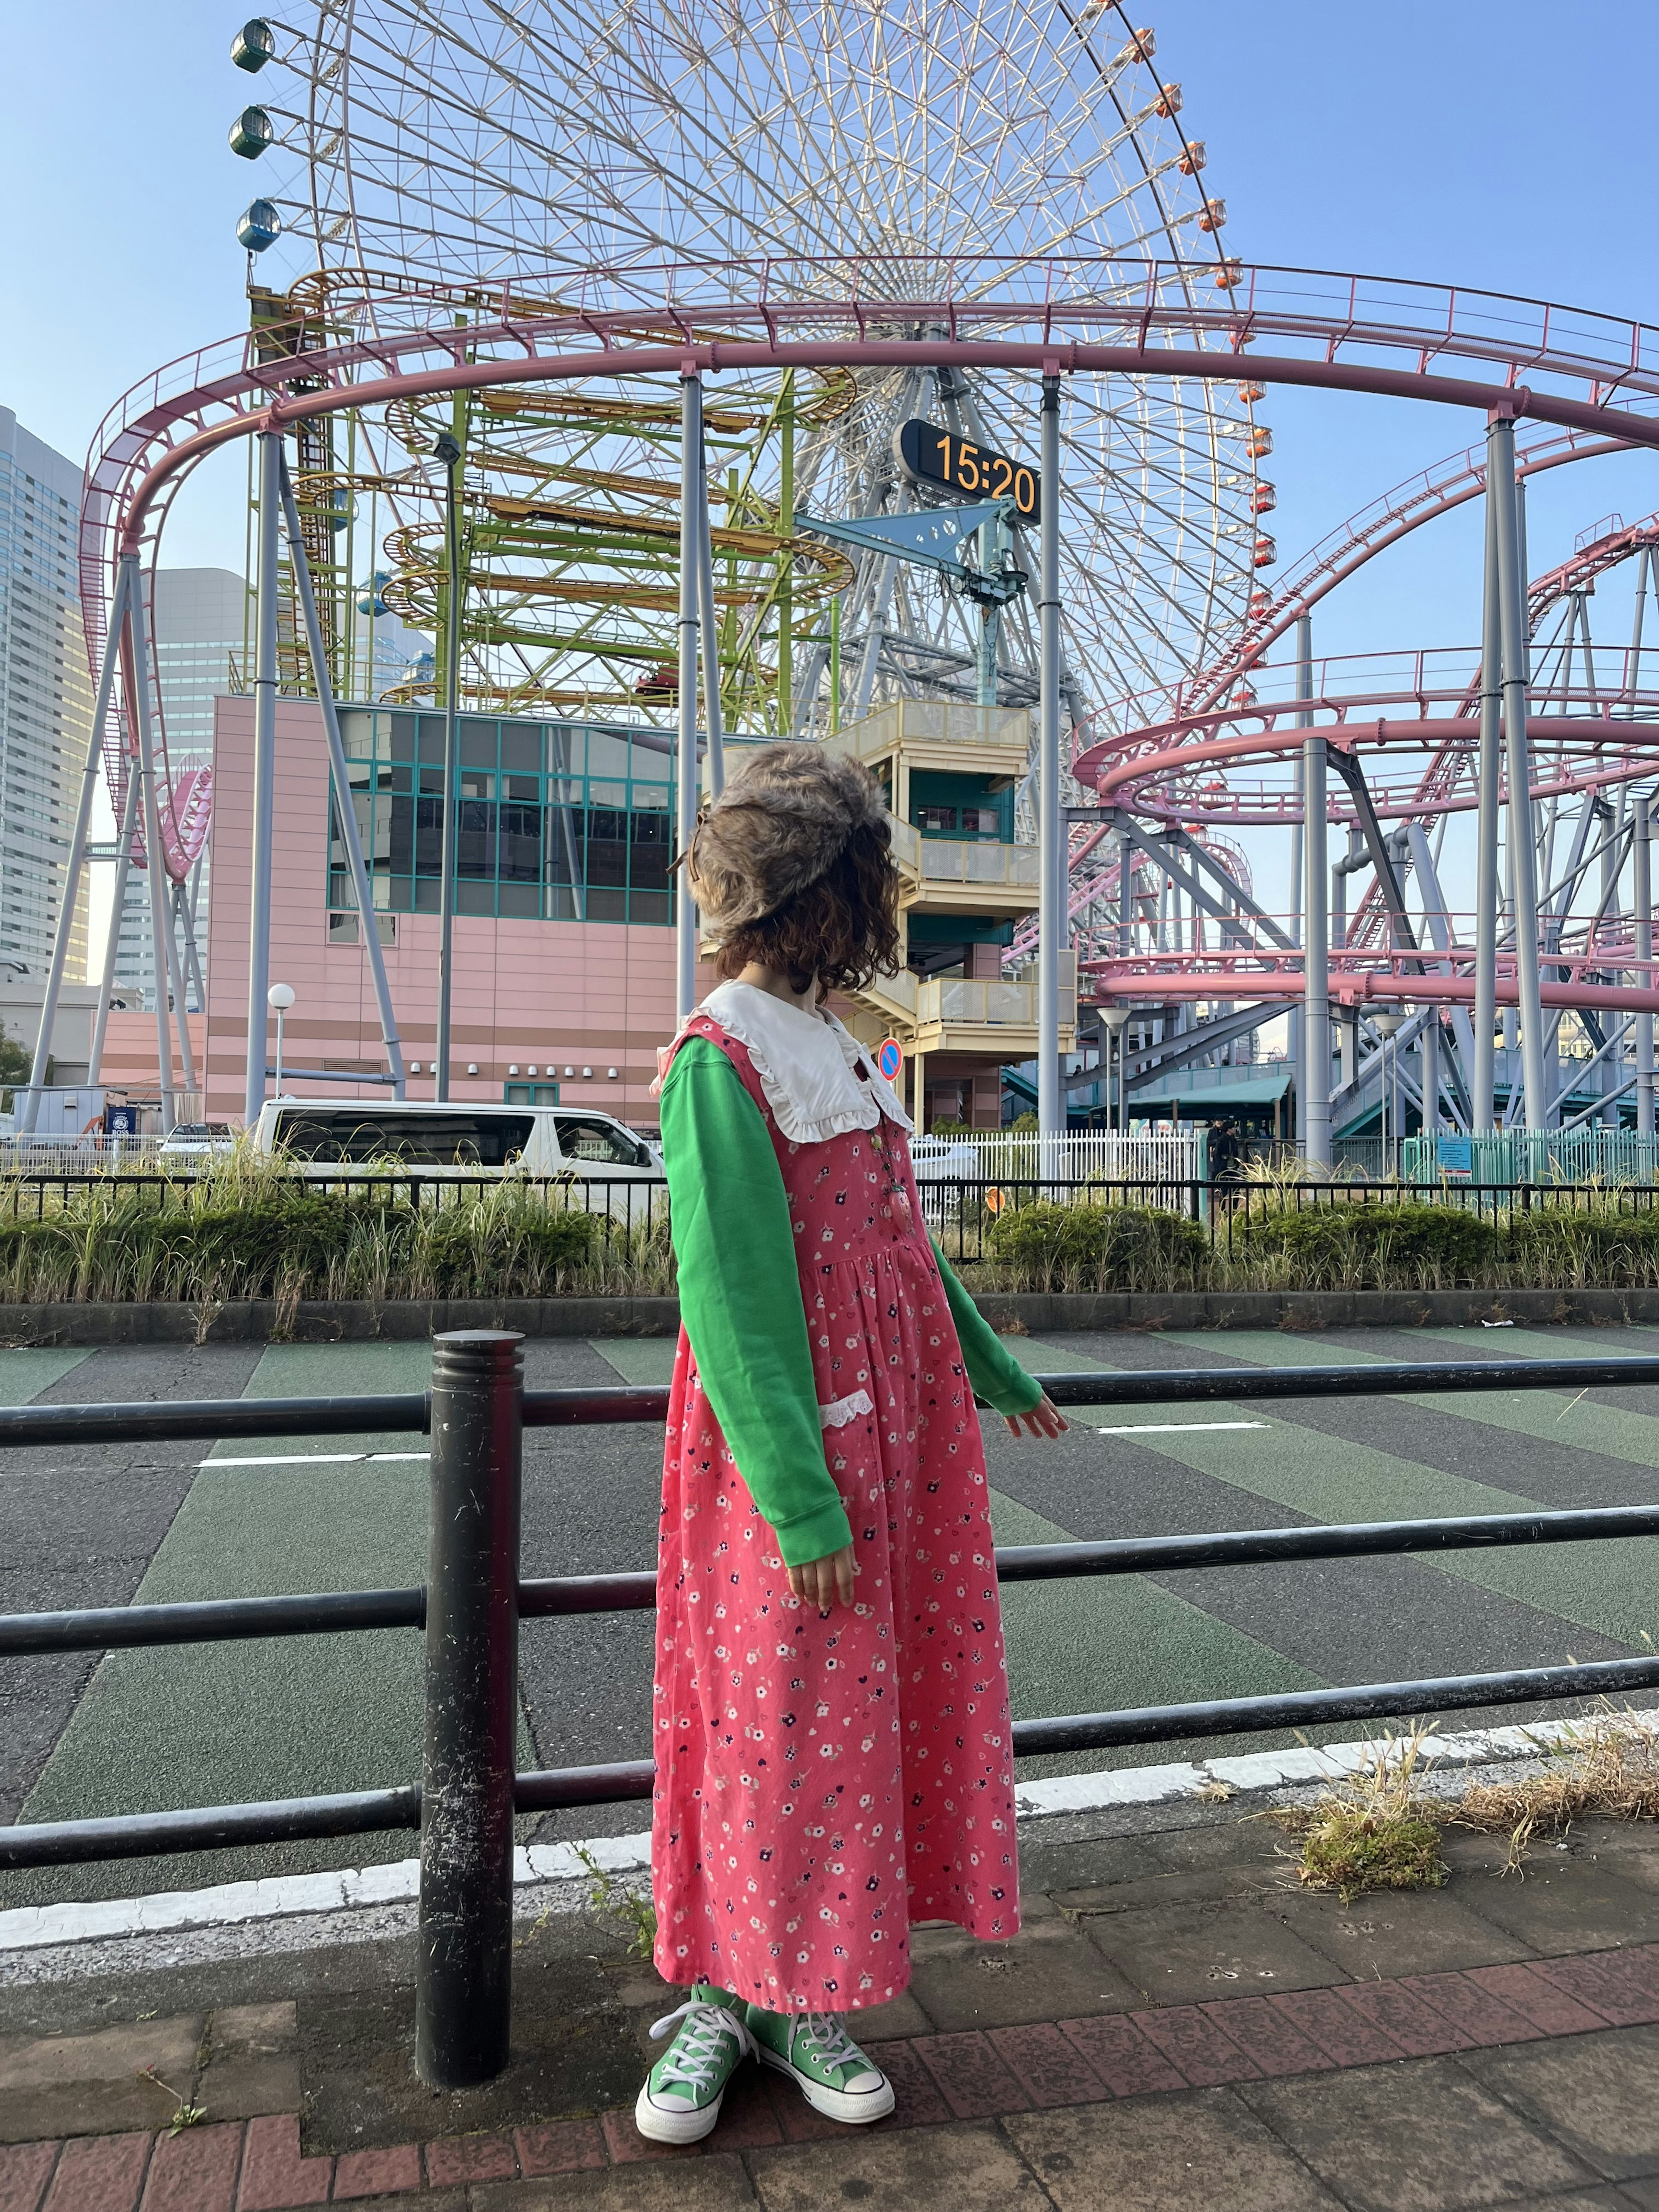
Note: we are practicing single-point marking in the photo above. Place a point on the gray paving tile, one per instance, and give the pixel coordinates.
(1420, 2136)
(969, 2167)
(1164, 2153)
(1598, 2094)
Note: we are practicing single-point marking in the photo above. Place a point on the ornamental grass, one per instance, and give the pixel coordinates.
(246, 1229)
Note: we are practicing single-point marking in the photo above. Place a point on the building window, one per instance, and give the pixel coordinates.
(342, 928)
(530, 1094)
(940, 821)
(554, 821)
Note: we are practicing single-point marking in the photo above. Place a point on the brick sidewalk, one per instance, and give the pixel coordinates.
(1517, 2064)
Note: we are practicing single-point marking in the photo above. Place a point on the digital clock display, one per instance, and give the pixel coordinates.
(968, 470)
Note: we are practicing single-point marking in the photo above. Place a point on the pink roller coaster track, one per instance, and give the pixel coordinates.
(1593, 379)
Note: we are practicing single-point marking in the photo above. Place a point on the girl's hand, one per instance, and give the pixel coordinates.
(820, 1582)
(1044, 1419)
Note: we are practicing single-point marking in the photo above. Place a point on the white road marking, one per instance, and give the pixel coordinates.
(1169, 1428)
(315, 1459)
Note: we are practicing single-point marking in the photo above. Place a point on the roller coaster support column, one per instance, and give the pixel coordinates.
(1052, 836)
(447, 448)
(30, 1099)
(685, 916)
(1315, 1069)
(708, 631)
(1642, 848)
(264, 775)
(1503, 489)
(160, 926)
(1483, 1116)
(368, 921)
(123, 836)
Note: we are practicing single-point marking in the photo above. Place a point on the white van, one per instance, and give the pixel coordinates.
(328, 1137)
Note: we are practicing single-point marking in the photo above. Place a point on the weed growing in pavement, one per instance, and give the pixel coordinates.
(630, 1909)
(1372, 1830)
(1379, 1829)
(185, 2115)
(1608, 1765)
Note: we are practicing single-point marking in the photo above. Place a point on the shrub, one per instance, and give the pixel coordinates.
(506, 1244)
(259, 1238)
(1369, 1246)
(1602, 1245)
(1107, 1248)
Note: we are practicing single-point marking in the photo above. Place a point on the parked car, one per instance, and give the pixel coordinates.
(945, 1159)
(463, 1141)
(197, 1140)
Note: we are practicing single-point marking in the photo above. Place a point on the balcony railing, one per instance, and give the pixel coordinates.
(937, 722)
(987, 861)
(983, 1001)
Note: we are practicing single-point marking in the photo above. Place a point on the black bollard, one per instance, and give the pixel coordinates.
(463, 1977)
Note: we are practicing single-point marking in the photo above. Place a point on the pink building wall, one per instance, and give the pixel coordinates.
(549, 994)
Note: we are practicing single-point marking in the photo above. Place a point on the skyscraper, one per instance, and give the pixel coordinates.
(45, 705)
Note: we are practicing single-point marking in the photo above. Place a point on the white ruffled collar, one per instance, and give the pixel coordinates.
(807, 1064)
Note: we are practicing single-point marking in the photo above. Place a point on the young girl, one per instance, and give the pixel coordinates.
(831, 1705)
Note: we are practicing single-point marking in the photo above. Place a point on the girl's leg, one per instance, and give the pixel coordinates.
(680, 2101)
(817, 2054)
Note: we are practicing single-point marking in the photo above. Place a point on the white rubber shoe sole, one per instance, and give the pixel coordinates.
(856, 2108)
(676, 2122)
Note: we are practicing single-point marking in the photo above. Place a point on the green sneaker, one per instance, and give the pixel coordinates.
(680, 2101)
(817, 2054)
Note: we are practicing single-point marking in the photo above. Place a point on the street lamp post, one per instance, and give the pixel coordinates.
(279, 998)
(1113, 1022)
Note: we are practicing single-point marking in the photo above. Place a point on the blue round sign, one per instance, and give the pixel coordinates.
(890, 1058)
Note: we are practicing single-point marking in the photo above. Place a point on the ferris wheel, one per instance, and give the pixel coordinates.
(859, 151)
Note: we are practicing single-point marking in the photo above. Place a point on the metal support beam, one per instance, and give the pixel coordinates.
(1502, 490)
(685, 915)
(708, 634)
(161, 934)
(450, 452)
(1644, 899)
(29, 1100)
(1052, 835)
(1486, 861)
(1377, 847)
(1227, 909)
(264, 774)
(1315, 1069)
(123, 836)
(367, 922)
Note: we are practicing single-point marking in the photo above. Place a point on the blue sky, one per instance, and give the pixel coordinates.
(1510, 149)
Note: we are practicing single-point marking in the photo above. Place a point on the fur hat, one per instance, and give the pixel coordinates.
(783, 819)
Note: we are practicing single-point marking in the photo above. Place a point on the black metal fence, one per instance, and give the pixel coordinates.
(474, 1599)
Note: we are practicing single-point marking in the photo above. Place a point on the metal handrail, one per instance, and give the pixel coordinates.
(213, 1620)
(476, 1598)
(411, 1412)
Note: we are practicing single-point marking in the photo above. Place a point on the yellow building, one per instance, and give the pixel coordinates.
(950, 773)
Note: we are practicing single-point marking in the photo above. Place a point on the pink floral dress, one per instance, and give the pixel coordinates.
(824, 1780)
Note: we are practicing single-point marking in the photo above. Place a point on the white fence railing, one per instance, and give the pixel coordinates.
(86, 1155)
(1094, 1155)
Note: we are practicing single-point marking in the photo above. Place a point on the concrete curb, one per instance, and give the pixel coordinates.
(406, 1320)
(1247, 1776)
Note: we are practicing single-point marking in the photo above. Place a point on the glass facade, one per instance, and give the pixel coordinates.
(557, 821)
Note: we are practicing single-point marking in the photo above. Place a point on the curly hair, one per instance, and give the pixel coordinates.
(843, 927)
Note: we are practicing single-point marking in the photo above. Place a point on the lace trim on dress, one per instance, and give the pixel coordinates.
(840, 1411)
(808, 1065)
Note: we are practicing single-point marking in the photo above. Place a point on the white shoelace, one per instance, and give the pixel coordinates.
(699, 2051)
(833, 2045)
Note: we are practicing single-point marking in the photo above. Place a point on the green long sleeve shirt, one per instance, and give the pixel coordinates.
(741, 1304)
